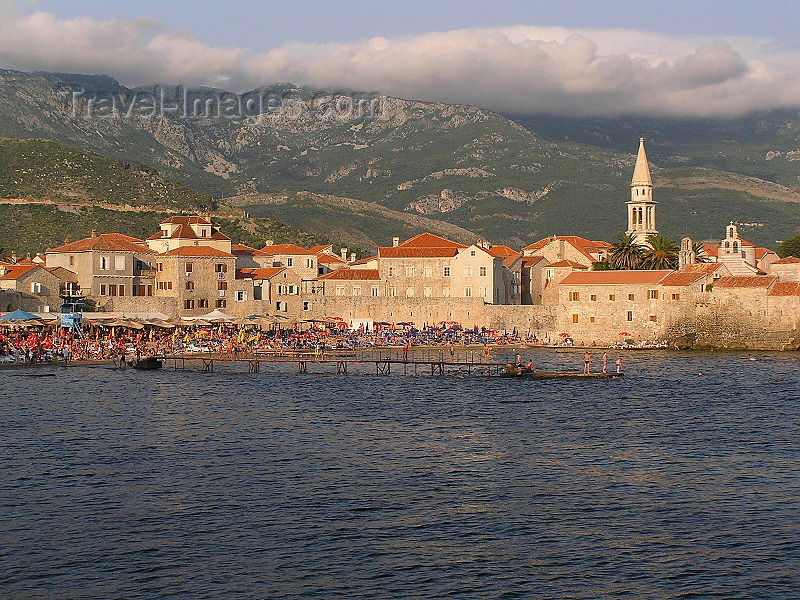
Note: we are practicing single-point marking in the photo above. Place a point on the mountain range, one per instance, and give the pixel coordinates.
(357, 169)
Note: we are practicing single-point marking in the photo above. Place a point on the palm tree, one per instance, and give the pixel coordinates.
(627, 253)
(700, 254)
(662, 253)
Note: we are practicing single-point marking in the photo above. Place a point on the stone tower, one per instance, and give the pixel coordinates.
(687, 257)
(641, 206)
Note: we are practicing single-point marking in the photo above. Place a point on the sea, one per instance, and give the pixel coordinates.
(679, 480)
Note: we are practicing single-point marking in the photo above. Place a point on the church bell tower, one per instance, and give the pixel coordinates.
(641, 206)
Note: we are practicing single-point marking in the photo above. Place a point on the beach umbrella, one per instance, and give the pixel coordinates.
(563, 335)
(19, 315)
(625, 333)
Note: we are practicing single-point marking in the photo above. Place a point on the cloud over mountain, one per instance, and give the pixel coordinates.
(522, 69)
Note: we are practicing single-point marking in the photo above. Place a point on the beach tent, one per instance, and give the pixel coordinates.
(19, 315)
(214, 315)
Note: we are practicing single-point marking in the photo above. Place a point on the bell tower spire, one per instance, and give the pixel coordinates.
(641, 206)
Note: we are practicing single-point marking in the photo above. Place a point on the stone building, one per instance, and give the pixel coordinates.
(107, 265)
(302, 260)
(180, 231)
(786, 269)
(39, 288)
(641, 206)
(199, 278)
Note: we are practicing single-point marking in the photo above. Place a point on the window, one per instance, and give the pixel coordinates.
(409, 271)
(574, 296)
(289, 262)
(36, 288)
(112, 290)
(306, 305)
(71, 260)
(631, 297)
(630, 315)
(427, 292)
(574, 318)
(189, 286)
(104, 262)
(427, 272)
(356, 290)
(293, 289)
(340, 290)
(159, 267)
(222, 303)
(676, 296)
(241, 296)
(468, 292)
(257, 292)
(202, 303)
(591, 319)
(483, 292)
(467, 271)
(482, 271)
(393, 292)
(472, 253)
(102, 289)
(189, 267)
(653, 318)
(121, 289)
(221, 268)
(652, 294)
(119, 262)
(550, 273)
(593, 297)
(612, 297)
(410, 292)
(222, 285)
(445, 292)
(376, 291)
(149, 290)
(446, 272)
(281, 306)
(309, 263)
(188, 304)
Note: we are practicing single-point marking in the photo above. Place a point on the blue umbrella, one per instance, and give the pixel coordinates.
(19, 315)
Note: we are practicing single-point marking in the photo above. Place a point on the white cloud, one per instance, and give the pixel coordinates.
(521, 69)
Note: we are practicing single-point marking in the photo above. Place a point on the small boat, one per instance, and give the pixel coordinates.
(148, 364)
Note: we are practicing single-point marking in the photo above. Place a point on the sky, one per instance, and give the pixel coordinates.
(581, 58)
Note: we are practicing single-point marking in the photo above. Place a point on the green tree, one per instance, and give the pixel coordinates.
(627, 253)
(661, 254)
(700, 254)
(790, 247)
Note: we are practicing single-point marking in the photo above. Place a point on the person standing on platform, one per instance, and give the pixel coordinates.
(587, 362)
(619, 365)
(605, 362)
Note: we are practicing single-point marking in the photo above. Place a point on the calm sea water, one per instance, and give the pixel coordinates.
(664, 484)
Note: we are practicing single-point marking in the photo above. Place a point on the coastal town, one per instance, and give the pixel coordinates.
(562, 289)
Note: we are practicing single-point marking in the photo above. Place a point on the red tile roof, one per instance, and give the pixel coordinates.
(259, 273)
(785, 288)
(706, 268)
(744, 281)
(352, 275)
(683, 278)
(789, 260)
(568, 263)
(285, 249)
(17, 271)
(614, 277)
(503, 251)
(364, 261)
(184, 232)
(199, 251)
(321, 248)
(762, 252)
(584, 246)
(242, 249)
(711, 250)
(403, 252)
(531, 260)
(429, 240)
(509, 260)
(105, 242)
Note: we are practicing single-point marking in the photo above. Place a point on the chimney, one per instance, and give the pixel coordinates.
(3, 270)
(14, 256)
(94, 233)
(344, 253)
(27, 256)
(352, 257)
(66, 240)
(270, 243)
(395, 241)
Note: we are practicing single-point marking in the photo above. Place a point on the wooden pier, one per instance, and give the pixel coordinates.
(383, 363)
